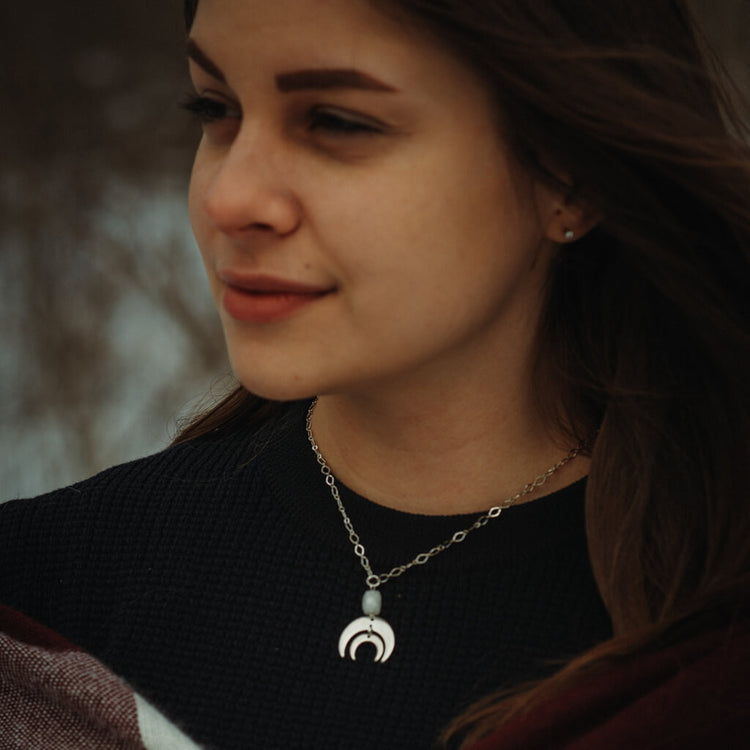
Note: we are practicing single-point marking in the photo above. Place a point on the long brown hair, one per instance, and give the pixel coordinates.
(646, 329)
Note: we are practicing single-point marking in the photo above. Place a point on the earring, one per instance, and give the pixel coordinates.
(569, 234)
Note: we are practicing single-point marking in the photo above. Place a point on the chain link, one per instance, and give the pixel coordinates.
(377, 579)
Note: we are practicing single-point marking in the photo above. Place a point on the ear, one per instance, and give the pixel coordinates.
(570, 219)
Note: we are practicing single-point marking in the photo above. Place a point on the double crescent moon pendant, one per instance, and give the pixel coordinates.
(368, 629)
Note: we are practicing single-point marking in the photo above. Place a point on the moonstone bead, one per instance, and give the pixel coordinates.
(372, 601)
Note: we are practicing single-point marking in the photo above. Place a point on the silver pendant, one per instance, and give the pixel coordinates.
(368, 629)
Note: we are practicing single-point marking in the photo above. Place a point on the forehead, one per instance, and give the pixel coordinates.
(317, 33)
(299, 23)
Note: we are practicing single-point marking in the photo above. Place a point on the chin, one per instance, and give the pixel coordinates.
(275, 389)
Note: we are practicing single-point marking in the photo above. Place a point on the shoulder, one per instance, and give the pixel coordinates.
(182, 473)
(80, 557)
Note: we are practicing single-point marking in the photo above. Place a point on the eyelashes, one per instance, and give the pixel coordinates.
(336, 121)
(205, 109)
(323, 120)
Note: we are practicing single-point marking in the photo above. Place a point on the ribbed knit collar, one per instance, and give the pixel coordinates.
(393, 537)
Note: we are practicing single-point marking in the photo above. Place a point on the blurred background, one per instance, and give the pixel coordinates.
(108, 335)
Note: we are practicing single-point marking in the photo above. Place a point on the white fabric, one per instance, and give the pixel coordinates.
(157, 732)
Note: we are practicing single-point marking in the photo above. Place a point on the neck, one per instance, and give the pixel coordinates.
(439, 456)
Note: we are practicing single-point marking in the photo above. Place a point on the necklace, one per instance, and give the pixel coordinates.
(370, 628)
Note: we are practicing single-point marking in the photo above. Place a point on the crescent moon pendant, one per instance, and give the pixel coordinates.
(373, 638)
(373, 630)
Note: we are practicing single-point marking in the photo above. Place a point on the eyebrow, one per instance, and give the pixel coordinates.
(329, 78)
(196, 54)
(300, 80)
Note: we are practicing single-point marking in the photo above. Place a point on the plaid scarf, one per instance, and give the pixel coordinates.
(54, 696)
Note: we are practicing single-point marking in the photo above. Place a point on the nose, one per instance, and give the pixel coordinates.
(249, 190)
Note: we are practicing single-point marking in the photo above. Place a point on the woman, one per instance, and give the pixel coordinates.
(465, 254)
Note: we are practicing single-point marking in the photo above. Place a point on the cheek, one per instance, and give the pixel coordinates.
(201, 224)
(452, 247)
(436, 212)
(196, 191)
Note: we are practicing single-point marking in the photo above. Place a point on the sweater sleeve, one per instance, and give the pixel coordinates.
(69, 558)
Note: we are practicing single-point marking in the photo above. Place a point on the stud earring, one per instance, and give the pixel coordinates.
(569, 234)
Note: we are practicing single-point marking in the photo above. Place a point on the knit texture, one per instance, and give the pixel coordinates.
(216, 577)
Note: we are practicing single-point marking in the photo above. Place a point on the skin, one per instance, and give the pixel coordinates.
(434, 246)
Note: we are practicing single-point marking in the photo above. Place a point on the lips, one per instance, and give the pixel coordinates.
(265, 299)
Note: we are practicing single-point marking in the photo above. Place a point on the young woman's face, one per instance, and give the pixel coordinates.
(361, 221)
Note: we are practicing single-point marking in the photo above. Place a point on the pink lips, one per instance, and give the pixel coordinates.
(264, 299)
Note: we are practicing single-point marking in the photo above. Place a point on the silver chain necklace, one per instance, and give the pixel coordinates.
(370, 628)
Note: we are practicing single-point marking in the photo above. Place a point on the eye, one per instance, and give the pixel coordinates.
(338, 122)
(208, 110)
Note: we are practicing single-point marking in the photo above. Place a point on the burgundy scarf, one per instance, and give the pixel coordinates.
(54, 696)
(691, 696)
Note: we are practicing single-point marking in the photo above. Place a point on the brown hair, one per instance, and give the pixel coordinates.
(646, 329)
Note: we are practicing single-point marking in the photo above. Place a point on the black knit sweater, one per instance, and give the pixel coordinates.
(216, 577)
